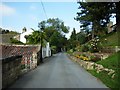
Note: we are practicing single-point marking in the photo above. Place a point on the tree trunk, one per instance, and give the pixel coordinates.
(118, 15)
(41, 58)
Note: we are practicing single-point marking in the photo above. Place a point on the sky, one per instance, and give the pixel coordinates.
(16, 15)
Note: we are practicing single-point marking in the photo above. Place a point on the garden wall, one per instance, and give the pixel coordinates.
(17, 60)
(30, 55)
(110, 49)
(11, 69)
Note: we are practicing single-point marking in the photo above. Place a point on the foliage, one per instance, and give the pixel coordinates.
(85, 48)
(5, 31)
(51, 30)
(81, 37)
(55, 24)
(14, 41)
(112, 62)
(95, 45)
(73, 42)
(70, 51)
(95, 14)
(73, 35)
(87, 56)
(54, 30)
(34, 38)
(111, 39)
(53, 48)
(113, 84)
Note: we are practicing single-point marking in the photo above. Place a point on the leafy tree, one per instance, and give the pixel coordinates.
(51, 30)
(6, 31)
(34, 38)
(14, 41)
(58, 25)
(54, 31)
(81, 37)
(96, 14)
(73, 35)
(73, 40)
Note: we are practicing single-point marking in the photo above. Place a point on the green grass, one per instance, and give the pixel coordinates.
(106, 79)
(112, 39)
(113, 63)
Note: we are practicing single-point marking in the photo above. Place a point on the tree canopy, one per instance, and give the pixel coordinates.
(96, 14)
(53, 31)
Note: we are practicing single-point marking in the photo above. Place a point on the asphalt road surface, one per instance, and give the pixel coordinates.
(58, 72)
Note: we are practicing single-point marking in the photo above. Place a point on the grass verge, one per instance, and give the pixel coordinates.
(113, 63)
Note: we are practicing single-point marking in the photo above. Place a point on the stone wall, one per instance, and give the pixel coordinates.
(110, 49)
(92, 65)
(29, 55)
(13, 66)
(11, 69)
(0, 75)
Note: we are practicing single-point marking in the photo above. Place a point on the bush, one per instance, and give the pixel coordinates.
(85, 48)
(95, 45)
(94, 58)
(70, 51)
(14, 41)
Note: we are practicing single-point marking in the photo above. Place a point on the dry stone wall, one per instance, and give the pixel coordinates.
(92, 65)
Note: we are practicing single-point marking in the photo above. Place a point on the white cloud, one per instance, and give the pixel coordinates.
(33, 7)
(6, 10)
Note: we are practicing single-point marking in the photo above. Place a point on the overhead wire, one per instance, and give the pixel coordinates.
(44, 9)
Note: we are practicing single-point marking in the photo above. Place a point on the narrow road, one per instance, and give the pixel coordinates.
(58, 72)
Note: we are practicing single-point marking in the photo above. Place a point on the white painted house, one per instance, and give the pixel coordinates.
(46, 51)
(23, 34)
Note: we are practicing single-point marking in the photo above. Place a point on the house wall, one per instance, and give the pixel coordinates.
(46, 51)
(22, 36)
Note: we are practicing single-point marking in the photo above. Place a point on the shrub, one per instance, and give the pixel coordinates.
(95, 45)
(14, 41)
(94, 58)
(85, 48)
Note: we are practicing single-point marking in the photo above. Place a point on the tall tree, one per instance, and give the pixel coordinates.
(73, 41)
(96, 14)
(73, 34)
(55, 30)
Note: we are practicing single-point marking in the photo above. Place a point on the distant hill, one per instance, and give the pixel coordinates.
(6, 38)
(5, 35)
